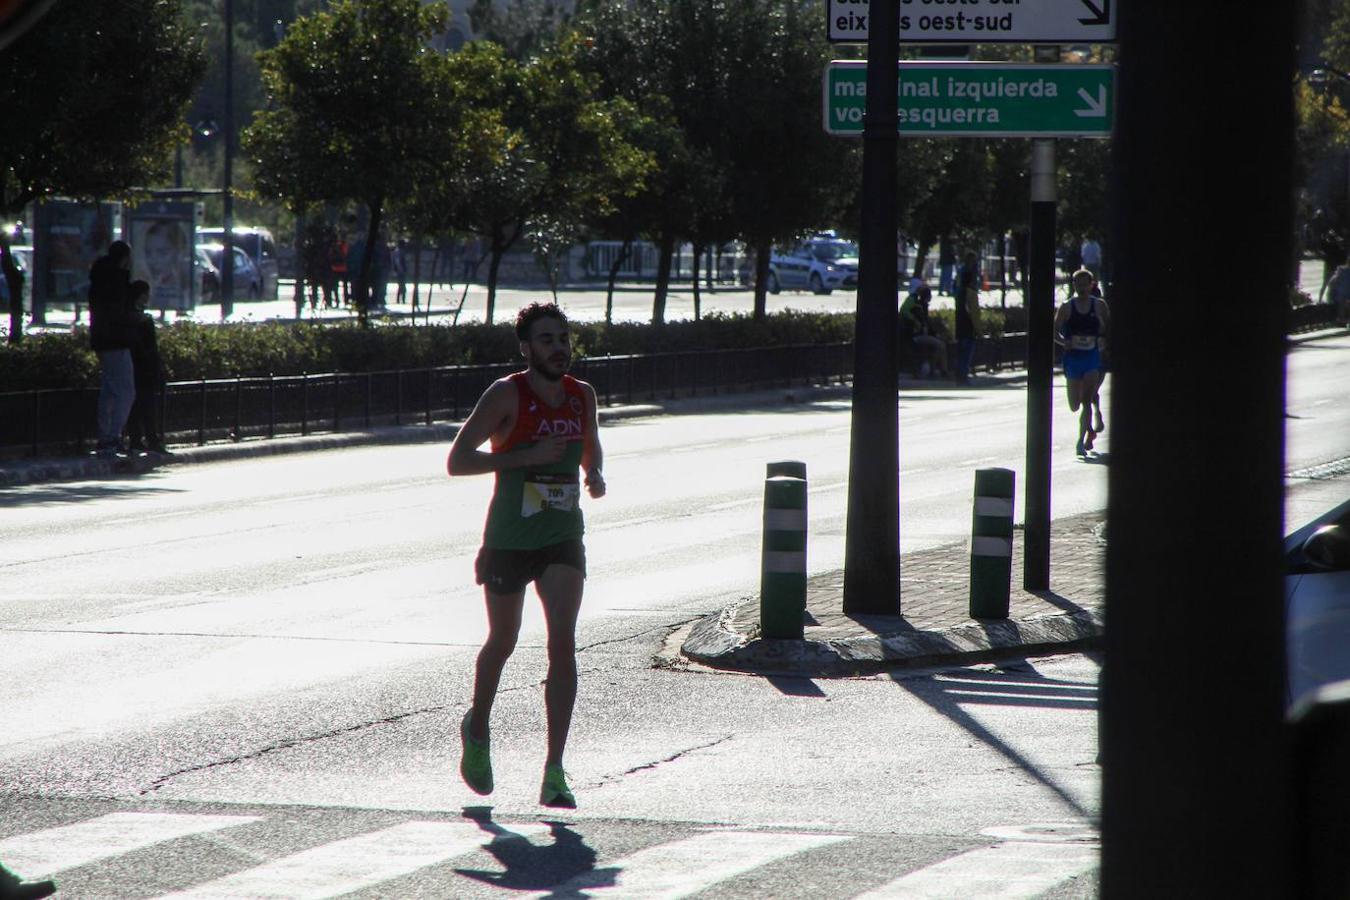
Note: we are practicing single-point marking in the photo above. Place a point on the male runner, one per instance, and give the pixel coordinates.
(542, 426)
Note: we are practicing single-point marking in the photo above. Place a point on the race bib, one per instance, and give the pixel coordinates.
(1083, 342)
(537, 496)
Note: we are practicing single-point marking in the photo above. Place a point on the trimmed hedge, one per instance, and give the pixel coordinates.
(192, 350)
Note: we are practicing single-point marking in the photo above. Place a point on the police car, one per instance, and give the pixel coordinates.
(818, 264)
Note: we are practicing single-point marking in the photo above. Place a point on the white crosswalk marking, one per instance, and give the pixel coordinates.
(688, 866)
(1009, 871)
(358, 862)
(56, 849)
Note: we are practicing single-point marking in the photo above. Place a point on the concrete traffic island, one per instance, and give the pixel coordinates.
(935, 627)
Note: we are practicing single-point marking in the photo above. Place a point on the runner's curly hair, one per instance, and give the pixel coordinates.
(526, 318)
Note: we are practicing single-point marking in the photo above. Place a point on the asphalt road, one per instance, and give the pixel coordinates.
(287, 643)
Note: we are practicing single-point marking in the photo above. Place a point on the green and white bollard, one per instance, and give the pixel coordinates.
(991, 535)
(782, 591)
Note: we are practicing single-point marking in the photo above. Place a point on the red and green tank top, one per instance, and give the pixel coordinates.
(537, 506)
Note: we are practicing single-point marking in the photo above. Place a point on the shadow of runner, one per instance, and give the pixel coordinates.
(946, 697)
(531, 867)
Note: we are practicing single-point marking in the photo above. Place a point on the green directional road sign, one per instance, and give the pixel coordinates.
(975, 99)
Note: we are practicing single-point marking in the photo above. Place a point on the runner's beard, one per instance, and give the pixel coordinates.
(551, 368)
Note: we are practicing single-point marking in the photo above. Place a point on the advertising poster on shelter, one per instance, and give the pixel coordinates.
(161, 236)
(69, 236)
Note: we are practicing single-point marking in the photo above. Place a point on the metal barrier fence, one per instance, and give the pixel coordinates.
(54, 421)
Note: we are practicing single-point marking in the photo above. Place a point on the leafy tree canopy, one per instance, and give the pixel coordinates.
(94, 97)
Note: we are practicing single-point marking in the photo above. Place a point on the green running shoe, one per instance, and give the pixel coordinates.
(475, 762)
(555, 791)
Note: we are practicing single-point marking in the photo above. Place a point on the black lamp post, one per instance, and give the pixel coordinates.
(227, 256)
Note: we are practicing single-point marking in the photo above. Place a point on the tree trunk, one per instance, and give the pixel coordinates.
(763, 248)
(363, 268)
(698, 300)
(667, 252)
(921, 257)
(500, 244)
(1003, 271)
(417, 270)
(614, 268)
(494, 265)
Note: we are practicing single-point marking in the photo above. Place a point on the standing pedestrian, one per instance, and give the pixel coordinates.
(111, 334)
(1091, 255)
(399, 262)
(946, 266)
(543, 427)
(967, 296)
(470, 252)
(338, 262)
(1338, 292)
(1081, 326)
(144, 426)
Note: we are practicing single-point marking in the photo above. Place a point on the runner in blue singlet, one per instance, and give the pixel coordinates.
(1081, 327)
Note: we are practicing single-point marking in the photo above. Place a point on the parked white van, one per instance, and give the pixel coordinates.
(260, 246)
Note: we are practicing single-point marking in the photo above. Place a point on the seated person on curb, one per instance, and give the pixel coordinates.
(929, 351)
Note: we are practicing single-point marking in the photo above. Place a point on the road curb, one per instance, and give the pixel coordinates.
(713, 642)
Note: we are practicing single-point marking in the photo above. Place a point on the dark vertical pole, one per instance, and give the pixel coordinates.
(227, 257)
(1195, 778)
(872, 544)
(1040, 303)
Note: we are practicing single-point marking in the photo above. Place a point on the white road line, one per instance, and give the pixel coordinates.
(1010, 695)
(69, 846)
(733, 504)
(1009, 871)
(686, 867)
(355, 863)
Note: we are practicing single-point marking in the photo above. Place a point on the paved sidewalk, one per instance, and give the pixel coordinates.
(934, 625)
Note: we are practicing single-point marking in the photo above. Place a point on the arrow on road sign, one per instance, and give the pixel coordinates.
(1096, 107)
(1100, 16)
(976, 22)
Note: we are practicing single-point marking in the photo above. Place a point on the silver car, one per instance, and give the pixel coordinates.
(1317, 602)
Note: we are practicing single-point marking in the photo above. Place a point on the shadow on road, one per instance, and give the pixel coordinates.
(795, 686)
(532, 867)
(1018, 684)
(121, 486)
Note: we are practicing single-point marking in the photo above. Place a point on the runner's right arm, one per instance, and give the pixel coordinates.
(493, 417)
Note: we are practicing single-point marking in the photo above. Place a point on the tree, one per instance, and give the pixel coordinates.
(93, 96)
(524, 28)
(771, 54)
(741, 81)
(527, 144)
(631, 53)
(353, 105)
(957, 205)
